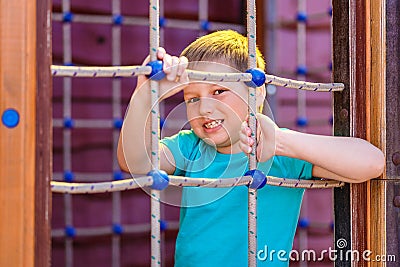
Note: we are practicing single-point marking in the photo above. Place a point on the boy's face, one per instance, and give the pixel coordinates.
(216, 110)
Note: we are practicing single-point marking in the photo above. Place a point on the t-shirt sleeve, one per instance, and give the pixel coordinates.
(297, 168)
(181, 146)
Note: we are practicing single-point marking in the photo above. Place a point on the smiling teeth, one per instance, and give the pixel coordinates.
(213, 124)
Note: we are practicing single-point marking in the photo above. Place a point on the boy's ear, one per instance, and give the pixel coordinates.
(261, 94)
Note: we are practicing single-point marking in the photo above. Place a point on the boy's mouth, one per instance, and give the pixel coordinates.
(212, 124)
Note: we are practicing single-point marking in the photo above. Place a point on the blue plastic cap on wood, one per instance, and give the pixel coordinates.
(10, 118)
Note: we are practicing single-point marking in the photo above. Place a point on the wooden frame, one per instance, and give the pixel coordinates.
(44, 137)
(359, 43)
(25, 150)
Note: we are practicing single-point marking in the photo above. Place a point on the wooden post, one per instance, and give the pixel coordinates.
(392, 80)
(360, 209)
(44, 127)
(19, 157)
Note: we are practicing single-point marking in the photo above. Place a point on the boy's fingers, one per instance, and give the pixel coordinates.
(246, 149)
(183, 63)
(171, 76)
(167, 63)
(161, 53)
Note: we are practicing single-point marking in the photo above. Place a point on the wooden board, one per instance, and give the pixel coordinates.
(17, 145)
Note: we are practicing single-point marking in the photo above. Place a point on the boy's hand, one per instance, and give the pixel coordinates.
(175, 70)
(266, 130)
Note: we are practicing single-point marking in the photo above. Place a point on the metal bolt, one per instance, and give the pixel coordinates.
(396, 201)
(344, 113)
(396, 158)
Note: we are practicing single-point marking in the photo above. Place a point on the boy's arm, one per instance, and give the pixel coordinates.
(133, 152)
(340, 158)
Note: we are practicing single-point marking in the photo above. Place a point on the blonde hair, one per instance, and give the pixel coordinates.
(226, 45)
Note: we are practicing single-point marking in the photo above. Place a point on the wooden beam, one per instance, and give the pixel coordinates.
(44, 144)
(341, 124)
(359, 84)
(377, 126)
(392, 79)
(17, 145)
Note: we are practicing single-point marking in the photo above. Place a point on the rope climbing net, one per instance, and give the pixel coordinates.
(158, 180)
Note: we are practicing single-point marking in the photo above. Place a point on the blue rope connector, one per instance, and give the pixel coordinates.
(302, 121)
(330, 11)
(70, 231)
(257, 77)
(10, 118)
(118, 19)
(162, 22)
(117, 175)
(118, 123)
(331, 120)
(205, 25)
(69, 123)
(69, 176)
(160, 179)
(157, 72)
(259, 179)
(117, 228)
(304, 223)
(163, 225)
(302, 17)
(301, 70)
(67, 16)
(162, 123)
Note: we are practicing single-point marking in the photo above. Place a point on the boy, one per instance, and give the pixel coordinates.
(213, 222)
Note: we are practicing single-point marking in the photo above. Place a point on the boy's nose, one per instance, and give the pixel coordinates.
(206, 105)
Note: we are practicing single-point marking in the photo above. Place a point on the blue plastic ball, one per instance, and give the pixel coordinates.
(118, 19)
(163, 225)
(117, 229)
(70, 231)
(205, 25)
(68, 16)
(160, 179)
(157, 72)
(302, 17)
(69, 176)
(330, 66)
(69, 123)
(162, 123)
(304, 223)
(331, 120)
(302, 121)
(302, 70)
(330, 12)
(259, 179)
(117, 175)
(258, 77)
(10, 118)
(118, 123)
(162, 22)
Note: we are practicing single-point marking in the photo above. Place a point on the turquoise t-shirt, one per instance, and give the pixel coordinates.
(213, 221)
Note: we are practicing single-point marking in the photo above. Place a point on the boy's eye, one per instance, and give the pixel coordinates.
(219, 91)
(193, 100)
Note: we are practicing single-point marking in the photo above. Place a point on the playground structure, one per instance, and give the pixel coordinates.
(338, 120)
